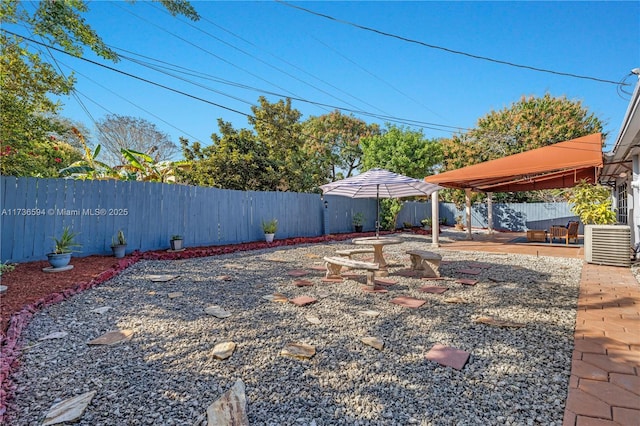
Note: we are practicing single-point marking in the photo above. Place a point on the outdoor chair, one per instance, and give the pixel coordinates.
(569, 232)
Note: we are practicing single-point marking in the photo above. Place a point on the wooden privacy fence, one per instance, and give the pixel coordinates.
(34, 210)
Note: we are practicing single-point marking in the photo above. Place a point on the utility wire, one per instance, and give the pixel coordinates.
(204, 50)
(183, 70)
(446, 49)
(431, 126)
(288, 74)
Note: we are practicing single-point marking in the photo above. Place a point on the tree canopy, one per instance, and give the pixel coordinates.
(118, 132)
(530, 123)
(27, 115)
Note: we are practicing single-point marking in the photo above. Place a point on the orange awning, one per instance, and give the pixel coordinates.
(561, 165)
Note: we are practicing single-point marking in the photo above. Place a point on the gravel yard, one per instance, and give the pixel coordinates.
(166, 374)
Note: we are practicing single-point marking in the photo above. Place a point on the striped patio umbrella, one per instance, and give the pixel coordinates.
(379, 183)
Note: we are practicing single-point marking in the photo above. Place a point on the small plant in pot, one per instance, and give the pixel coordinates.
(119, 245)
(62, 248)
(269, 228)
(177, 242)
(358, 220)
(426, 223)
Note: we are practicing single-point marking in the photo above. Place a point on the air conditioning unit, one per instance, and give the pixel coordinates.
(607, 244)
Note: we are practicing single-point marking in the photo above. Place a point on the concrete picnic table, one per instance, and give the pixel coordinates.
(378, 244)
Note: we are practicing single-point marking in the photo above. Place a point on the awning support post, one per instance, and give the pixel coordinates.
(467, 199)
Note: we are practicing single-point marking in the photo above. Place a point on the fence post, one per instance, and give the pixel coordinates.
(325, 216)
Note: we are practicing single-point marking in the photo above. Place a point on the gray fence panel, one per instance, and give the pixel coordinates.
(413, 212)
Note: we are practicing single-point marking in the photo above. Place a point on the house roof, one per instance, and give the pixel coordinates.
(627, 144)
(560, 165)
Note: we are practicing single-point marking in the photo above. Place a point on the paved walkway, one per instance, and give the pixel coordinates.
(604, 387)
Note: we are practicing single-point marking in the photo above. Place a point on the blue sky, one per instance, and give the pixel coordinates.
(259, 48)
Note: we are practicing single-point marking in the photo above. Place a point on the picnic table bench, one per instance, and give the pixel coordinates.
(350, 252)
(426, 262)
(335, 264)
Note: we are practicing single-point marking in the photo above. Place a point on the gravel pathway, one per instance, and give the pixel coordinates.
(166, 375)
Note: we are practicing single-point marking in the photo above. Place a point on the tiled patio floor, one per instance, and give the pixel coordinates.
(604, 387)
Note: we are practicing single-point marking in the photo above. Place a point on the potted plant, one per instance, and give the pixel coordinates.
(176, 242)
(269, 228)
(459, 225)
(119, 245)
(426, 223)
(358, 220)
(62, 249)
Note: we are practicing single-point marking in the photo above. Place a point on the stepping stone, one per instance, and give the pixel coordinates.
(447, 356)
(223, 350)
(217, 312)
(466, 281)
(370, 289)
(298, 350)
(373, 342)
(61, 269)
(470, 271)
(102, 310)
(303, 300)
(433, 289)
(112, 337)
(313, 319)
(224, 278)
(369, 313)
(479, 266)
(318, 268)
(276, 297)
(230, 409)
(55, 335)
(161, 278)
(455, 299)
(68, 411)
(297, 273)
(175, 294)
(498, 323)
(385, 281)
(303, 283)
(408, 302)
(233, 266)
(352, 276)
(407, 273)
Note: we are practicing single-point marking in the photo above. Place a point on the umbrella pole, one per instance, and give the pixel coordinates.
(377, 211)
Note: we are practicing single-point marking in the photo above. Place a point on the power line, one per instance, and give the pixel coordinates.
(288, 74)
(426, 125)
(446, 49)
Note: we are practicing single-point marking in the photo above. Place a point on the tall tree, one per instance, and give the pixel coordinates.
(527, 124)
(118, 132)
(277, 126)
(237, 159)
(401, 150)
(530, 123)
(334, 141)
(26, 112)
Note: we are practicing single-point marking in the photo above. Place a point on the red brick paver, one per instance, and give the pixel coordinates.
(605, 385)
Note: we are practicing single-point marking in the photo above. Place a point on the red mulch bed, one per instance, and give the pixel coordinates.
(27, 283)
